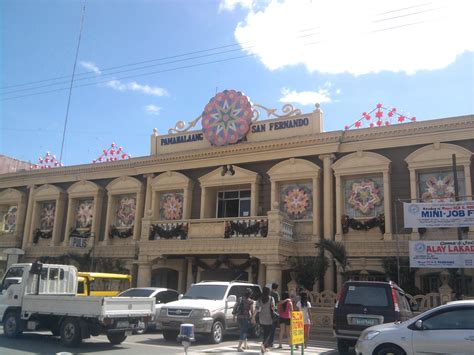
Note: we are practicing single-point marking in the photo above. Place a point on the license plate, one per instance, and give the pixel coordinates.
(123, 324)
(365, 321)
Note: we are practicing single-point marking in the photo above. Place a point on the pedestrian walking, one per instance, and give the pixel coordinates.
(304, 306)
(264, 308)
(276, 299)
(244, 312)
(285, 307)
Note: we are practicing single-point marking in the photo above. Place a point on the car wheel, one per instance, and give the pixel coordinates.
(217, 331)
(11, 325)
(389, 350)
(70, 332)
(170, 335)
(143, 328)
(116, 338)
(342, 347)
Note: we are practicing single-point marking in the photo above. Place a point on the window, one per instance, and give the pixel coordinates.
(233, 203)
(166, 296)
(459, 318)
(366, 296)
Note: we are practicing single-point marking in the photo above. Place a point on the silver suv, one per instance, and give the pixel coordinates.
(208, 305)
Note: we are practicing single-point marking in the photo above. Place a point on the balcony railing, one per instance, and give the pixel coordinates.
(286, 230)
(246, 228)
(169, 230)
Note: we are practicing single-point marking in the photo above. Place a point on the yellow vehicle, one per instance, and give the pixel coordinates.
(102, 284)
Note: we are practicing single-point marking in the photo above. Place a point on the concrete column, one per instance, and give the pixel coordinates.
(468, 180)
(387, 205)
(316, 208)
(96, 218)
(27, 237)
(189, 274)
(253, 199)
(339, 206)
(139, 214)
(273, 273)
(148, 194)
(108, 218)
(413, 195)
(58, 220)
(273, 194)
(328, 213)
(203, 201)
(70, 220)
(144, 274)
(262, 270)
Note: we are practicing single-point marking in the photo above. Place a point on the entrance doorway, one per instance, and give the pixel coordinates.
(165, 277)
(224, 275)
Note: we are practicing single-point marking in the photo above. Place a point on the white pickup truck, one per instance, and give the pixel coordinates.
(43, 296)
(208, 305)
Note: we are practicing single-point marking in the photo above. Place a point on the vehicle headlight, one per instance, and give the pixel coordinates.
(369, 335)
(163, 312)
(201, 313)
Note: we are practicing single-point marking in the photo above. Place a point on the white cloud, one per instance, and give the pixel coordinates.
(152, 109)
(230, 5)
(134, 86)
(89, 66)
(358, 37)
(305, 97)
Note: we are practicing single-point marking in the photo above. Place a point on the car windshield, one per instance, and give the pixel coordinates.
(136, 292)
(367, 296)
(206, 292)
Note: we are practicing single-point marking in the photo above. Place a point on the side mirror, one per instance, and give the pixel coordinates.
(419, 324)
(180, 296)
(231, 298)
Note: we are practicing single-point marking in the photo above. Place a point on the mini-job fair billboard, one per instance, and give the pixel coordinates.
(439, 215)
(442, 254)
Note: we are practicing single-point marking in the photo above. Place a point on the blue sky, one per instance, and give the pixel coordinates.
(416, 56)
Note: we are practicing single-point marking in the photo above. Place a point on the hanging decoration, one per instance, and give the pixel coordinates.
(169, 231)
(364, 196)
(356, 224)
(126, 211)
(227, 117)
(226, 260)
(115, 232)
(438, 189)
(171, 206)
(38, 233)
(112, 154)
(246, 228)
(380, 116)
(47, 213)
(9, 219)
(84, 214)
(47, 162)
(297, 201)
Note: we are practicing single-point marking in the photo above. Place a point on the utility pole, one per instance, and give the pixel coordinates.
(456, 196)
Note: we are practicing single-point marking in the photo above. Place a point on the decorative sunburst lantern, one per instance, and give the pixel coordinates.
(47, 162)
(47, 213)
(296, 202)
(84, 214)
(227, 117)
(380, 116)
(439, 189)
(364, 196)
(126, 211)
(113, 153)
(172, 207)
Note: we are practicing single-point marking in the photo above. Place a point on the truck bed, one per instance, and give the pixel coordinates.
(90, 307)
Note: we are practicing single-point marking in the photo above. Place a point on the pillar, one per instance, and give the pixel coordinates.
(203, 201)
(96, 218)
(27, 237)
(70, 220)
(144, 274)
(273, 273)
(413, 194)
(328, 216)
(253, 199)
(148, 194)
(109, 217)
(339, 206)
(468, 188)
(316, 211)
(58, 220)
(273, 193)
(387, 205)
(138, 214)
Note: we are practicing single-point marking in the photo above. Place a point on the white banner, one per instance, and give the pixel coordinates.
(438, 215)
(442, 254)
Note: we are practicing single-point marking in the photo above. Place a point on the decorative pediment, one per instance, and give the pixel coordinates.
(11, 196)
(84, 188)
(124, 184)
(240, 176)
(438, 155)
(171, 180)
(360, 163)
(292, 169)
(49, 192)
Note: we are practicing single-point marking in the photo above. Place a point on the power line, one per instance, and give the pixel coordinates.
(72, 81)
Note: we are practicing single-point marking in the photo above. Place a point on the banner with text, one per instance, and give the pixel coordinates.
(442, 254)
(438, 215)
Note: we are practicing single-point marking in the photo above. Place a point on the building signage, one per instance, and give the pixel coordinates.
(78, 242)
(297, 328)
(439, 215)
(442, 254)
(276, 125)
(193, 137)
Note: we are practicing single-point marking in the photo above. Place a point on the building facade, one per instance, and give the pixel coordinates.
(237, 198)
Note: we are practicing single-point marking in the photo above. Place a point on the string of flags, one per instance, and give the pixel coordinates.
(380, 116)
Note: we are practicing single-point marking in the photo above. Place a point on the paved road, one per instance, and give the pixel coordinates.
(152, 343)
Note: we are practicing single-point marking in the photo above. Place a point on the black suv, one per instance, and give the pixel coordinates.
(362, 304)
